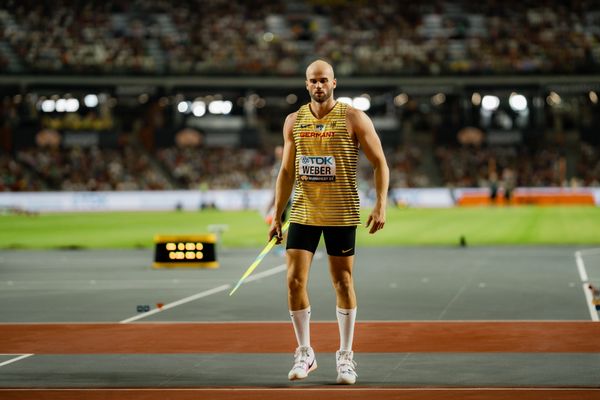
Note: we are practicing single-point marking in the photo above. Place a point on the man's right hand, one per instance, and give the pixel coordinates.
(275, 231)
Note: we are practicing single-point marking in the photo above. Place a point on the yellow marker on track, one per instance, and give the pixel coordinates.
(259, 258)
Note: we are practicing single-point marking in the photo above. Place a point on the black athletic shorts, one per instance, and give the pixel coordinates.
(339, 240)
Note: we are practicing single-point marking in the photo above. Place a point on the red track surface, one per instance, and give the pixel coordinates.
(276, 337)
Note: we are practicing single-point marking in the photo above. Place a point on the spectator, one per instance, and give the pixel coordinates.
(236, 37)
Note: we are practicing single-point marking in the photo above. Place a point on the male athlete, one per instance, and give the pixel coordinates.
(320, 154)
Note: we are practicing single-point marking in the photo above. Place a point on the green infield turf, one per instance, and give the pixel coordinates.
(479, 226)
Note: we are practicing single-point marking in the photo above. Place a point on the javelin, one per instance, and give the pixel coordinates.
(259, 258)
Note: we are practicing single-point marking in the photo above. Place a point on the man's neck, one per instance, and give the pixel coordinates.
(322, 109)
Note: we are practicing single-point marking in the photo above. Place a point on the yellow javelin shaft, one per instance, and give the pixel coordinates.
(259, 258)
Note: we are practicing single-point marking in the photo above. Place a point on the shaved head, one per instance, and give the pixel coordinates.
(321, 68)
(320, 81)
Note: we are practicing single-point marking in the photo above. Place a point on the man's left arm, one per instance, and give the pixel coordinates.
(364, 131)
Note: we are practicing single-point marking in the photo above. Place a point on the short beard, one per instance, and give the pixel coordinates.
(323, 99)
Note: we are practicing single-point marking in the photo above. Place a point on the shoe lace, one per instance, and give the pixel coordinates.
(301, 357)
(345, 363)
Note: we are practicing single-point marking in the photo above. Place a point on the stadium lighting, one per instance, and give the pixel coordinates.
(490, 103)
(199, 108)
(226, 107)
(90, 100)
(553, 99)
(345, 100)
(401, 99)
(61, 105)
(48, 106)
(362, 103)
(268, 37)
(215, 107)
(438, 99)
(517, 102)
(183, 107)
(291, 98)
(72, 105)
(260, 103)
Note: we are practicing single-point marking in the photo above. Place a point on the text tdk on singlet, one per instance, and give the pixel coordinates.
(317, 168)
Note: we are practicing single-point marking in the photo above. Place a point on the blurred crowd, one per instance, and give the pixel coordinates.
(131, 168)
(406, 166)
(72, 36)
(218, 168)
(14, 176)
(276, 37)
(91, 169)
(264, 37)
(546, 166)
(464, 37)
(588, 167)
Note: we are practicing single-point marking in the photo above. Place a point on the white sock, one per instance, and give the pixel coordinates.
(301, 321)
(346, 320)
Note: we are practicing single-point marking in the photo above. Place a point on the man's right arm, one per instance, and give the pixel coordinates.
(285, 178)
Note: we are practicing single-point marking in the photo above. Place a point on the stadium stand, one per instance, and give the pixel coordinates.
(276, 37)
(115, 135)
(77, 168)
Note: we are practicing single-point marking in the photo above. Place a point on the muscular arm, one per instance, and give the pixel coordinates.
(286, 176)
(364, 131)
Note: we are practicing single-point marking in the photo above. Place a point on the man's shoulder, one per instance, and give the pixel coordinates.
(355, 116)
(290, 121)
(291, 118)
(352, 112)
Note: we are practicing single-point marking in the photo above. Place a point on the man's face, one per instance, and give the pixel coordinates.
(320, 84)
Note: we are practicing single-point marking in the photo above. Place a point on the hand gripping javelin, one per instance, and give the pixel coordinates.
(260, 257)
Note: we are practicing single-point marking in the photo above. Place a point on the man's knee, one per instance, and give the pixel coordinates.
(343, 283)
(296, 284)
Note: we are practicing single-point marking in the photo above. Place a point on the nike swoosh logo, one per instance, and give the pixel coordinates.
(343, 313)
(345, 251)
(304, 125)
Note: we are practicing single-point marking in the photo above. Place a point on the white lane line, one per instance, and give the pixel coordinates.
(589, 301)
(587, 292)
(269, 272)
(456, 296)
(15, 359)
(177, 303)
(581, 267)
(206, 293)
